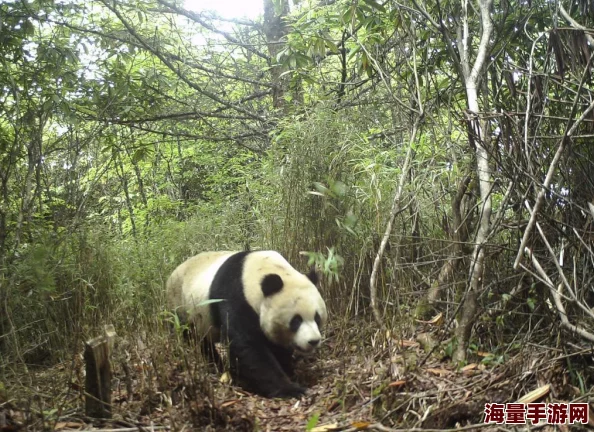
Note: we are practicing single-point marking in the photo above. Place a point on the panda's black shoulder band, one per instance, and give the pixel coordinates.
(313, 276)
(271, 284)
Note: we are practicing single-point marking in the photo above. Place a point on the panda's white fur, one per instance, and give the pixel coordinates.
(269, 309)
(189, 285)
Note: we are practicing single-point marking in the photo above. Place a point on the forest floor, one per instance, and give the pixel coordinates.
(354, 384)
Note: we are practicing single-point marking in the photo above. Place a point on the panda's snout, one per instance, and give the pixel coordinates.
(314, 342)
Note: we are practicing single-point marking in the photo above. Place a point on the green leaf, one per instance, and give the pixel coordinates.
(84, 110)
(375, 5)
(281, 54)
(449, 349)
(138, 155)
(348, 14)
(531, 303)
(350, 219)
(320, 187)
(207, 302)
(313, 421)
(332, 46)
(354, 51)
(339, 188)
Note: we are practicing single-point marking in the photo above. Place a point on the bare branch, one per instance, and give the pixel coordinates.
(176, 70)
(548, 179)
(574, 23)
(395, 210)
(173, 57)
(556, 294)
(198, 19)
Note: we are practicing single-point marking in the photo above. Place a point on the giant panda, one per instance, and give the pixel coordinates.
(267, 311)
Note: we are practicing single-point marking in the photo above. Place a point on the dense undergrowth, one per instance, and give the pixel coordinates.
(134, 134)
(320, 194)
(316, 200)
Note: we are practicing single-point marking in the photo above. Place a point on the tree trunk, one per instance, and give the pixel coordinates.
(275, 30)
(480, 130)
(459, 236)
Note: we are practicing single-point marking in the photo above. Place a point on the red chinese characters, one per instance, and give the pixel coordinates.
(536, 412)
(515, 413)
(557, 413)
(578, 413)
(494, 413)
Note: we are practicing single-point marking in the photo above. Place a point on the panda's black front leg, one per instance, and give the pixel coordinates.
(254, 362)
(285, 358)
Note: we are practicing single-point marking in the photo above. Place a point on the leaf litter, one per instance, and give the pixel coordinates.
(354, 384)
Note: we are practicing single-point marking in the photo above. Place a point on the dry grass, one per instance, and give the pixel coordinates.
(360, 376)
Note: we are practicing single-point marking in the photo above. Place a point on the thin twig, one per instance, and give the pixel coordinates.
(574, 23)
(555, 293)
(131, 429)
(553, 167)
(386, 236)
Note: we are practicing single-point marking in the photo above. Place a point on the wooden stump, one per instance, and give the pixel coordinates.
(98, 374)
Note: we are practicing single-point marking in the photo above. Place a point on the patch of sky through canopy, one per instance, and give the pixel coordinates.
(250, 9)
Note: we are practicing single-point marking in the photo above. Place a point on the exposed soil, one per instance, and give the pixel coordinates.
(354, 384)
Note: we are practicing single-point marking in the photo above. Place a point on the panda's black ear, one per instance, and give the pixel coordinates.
(271, 284)
(313, 276)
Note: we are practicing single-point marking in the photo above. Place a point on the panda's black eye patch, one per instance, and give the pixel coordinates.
(318, 320)
(271, 284)
(295, 323)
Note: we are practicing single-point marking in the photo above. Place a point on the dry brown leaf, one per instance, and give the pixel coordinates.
(440, 372)
(361, 425)
(69, 425)
(229, 403)
(398, 383)
(332, 406)
(535, 394)
(436, 320)
(468, 367)
(326, 428)
(408, 343)
(225, 378)
(483, 354)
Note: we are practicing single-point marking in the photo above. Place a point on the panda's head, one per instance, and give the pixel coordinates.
(293, 312)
